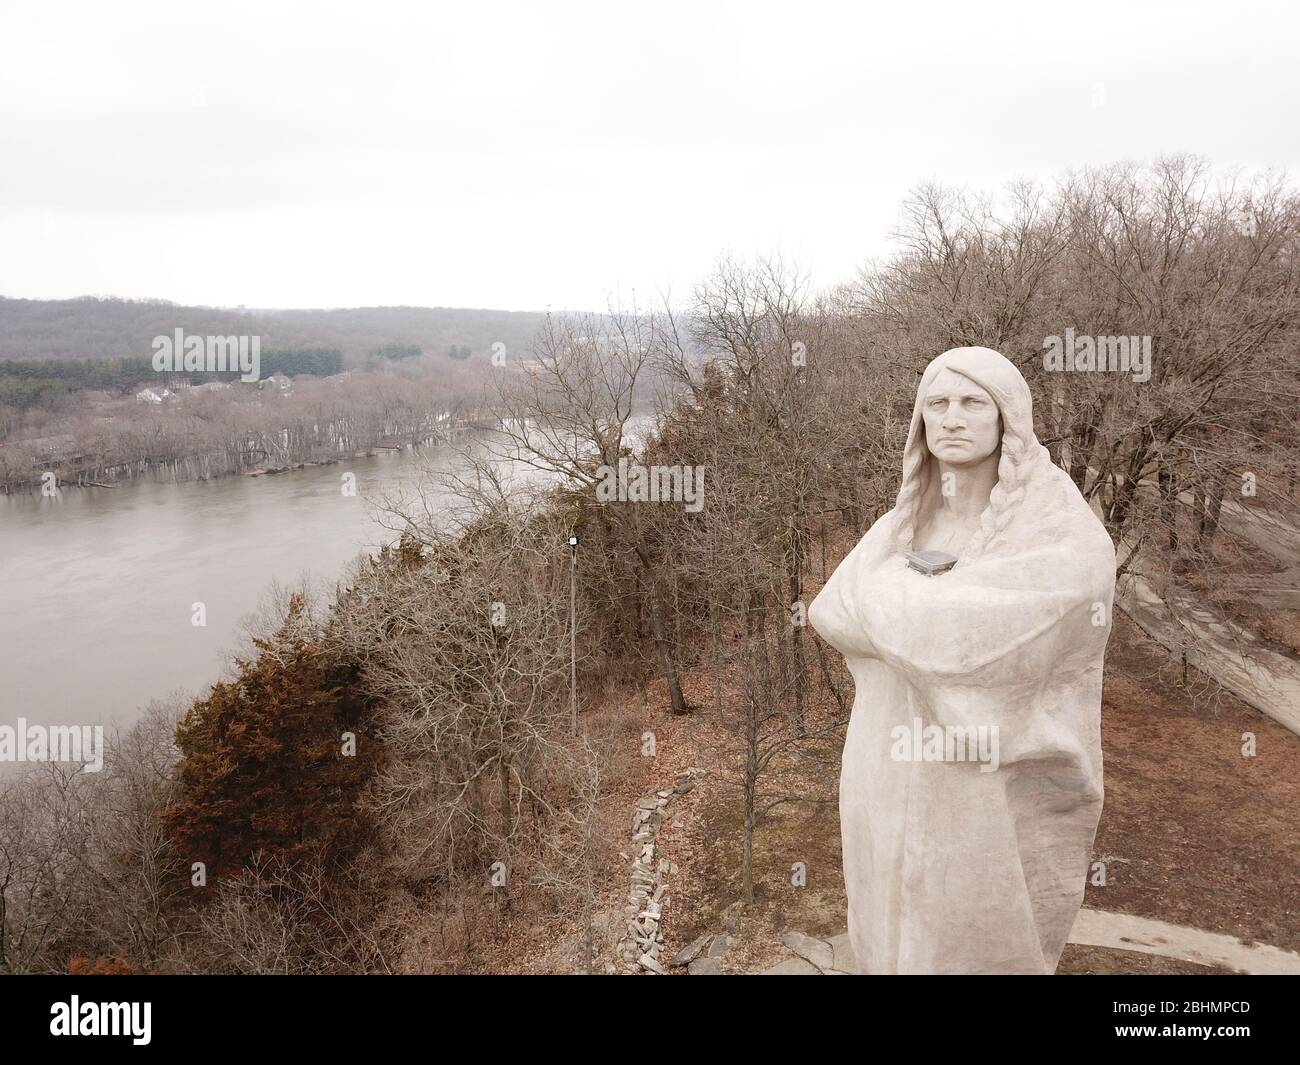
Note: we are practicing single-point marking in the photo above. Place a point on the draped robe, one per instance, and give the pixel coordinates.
(949, 867)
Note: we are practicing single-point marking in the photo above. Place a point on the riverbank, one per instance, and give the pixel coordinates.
(206, 467)
(187, 431)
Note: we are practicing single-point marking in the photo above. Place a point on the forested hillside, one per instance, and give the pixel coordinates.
(101, 328)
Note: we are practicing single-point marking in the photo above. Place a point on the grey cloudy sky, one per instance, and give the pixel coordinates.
(525, 156)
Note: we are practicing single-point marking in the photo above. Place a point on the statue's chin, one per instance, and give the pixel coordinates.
(958, 454)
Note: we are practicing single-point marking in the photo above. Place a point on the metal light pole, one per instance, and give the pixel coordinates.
(573, 631)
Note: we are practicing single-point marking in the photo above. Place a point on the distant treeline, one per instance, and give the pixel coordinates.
(91, 328)
(398, 351)
(27, 383)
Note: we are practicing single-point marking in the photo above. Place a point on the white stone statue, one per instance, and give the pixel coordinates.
(971, 782)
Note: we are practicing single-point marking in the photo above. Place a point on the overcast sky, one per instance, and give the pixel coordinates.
(526, 156)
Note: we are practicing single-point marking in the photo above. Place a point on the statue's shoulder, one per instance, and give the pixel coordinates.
(1079, 524)
(883, 526)
(875, 541)
(880, 536)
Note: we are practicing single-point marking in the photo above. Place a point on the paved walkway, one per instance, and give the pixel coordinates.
(1270, 532)
(1120, 931)
(1219, 648)
(1238, 660)
(1092, 928)
(1279, 539)
(1229, 653)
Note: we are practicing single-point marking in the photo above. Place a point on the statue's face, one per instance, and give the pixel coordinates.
(962, 422)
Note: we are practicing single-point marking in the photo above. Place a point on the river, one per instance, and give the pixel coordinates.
(98, 586)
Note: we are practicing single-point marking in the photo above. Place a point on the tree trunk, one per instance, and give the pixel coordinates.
(1209, 519)
(716, 630)
(751, 774)
(663, 649)
(1169, 500)
(794, 561)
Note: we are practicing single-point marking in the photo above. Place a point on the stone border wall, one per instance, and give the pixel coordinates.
(640, 947)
